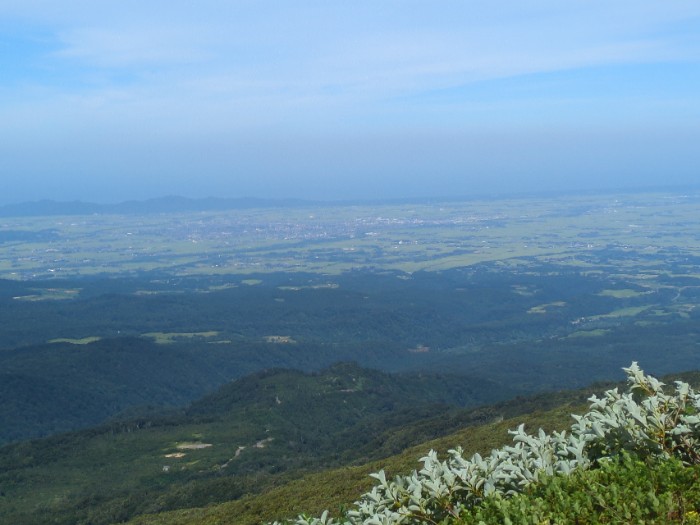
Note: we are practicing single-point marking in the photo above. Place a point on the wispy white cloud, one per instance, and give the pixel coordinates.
(403, 41)
(129, 47)
(212, 72)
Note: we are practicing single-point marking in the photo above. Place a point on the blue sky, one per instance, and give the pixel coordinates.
(108, 101)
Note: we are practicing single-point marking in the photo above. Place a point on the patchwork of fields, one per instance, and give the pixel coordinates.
(630, 234)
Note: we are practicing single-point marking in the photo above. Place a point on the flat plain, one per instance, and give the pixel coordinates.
(334, 238)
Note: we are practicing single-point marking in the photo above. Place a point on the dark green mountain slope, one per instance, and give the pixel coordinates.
(59, 387)
(246, 437)
(336, 489)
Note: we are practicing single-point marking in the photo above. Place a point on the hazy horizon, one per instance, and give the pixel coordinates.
(381, 200)
(333, 101)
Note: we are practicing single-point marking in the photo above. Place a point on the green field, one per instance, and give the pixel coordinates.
(82, 341)
(172, 337)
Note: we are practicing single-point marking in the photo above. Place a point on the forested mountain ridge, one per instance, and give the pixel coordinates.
(109, 345)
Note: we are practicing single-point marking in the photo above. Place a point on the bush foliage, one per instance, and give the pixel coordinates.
(633, 456)
(626, 490)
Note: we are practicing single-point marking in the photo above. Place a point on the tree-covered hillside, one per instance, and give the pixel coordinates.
(246, 437)
(75, 353)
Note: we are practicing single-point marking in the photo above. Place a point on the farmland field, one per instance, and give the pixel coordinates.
(630, 234)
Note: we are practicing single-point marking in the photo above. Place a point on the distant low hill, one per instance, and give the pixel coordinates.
(179, 204)
(171, 204)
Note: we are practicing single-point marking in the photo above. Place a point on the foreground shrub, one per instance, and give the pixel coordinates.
(645, 423)
(621, 491)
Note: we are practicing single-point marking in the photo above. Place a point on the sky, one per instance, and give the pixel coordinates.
(107, 101)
